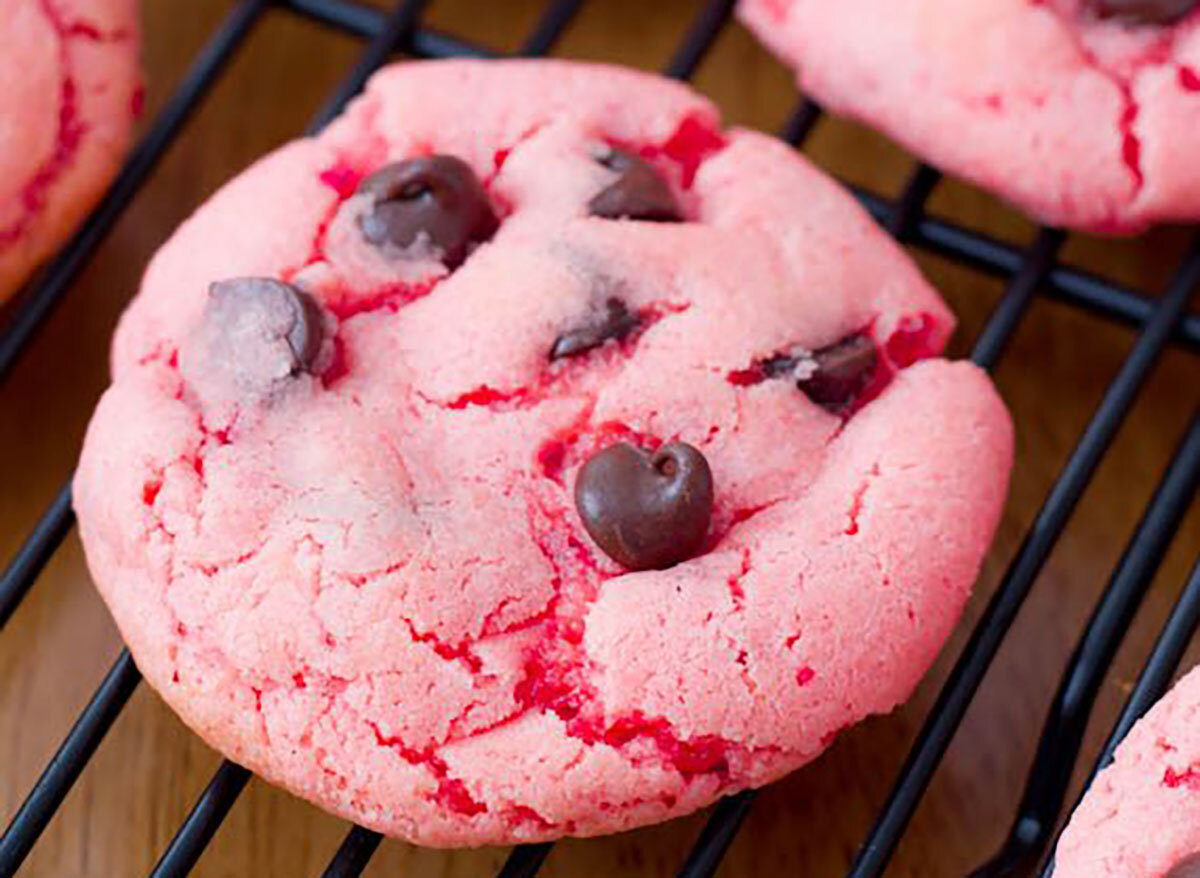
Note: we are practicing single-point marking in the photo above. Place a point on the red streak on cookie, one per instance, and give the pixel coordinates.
(703, 754)
(579, 442)
(550, 458)
(392, 298)
(746, 513)
(484, 395)
(912, 340)
(339, 367)
(1131, 146)
(1189, 79)
(747, 377)
(341, 178)
(150, 492)
(1175, 779)
(66, 143)
(544, 688)
(453, 794)
(693, 141)
(804, 676)
(522, 814)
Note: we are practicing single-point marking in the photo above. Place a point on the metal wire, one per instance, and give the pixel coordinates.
(35, 553)
(525, 860)
(718, 834)
(73, 754)
(1071, 285)
(1003, 321)
(1030, 271)
(699, 39)
(354, 853)
(202, 822)
(911, 203)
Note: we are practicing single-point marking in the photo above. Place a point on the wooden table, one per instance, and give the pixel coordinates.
(149, 770)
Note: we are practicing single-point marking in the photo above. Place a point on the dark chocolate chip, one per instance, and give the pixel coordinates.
(616, 323)
(1188, 867)
(646, 511)
(1144, 11)
(250, 310)
(437, 198)
(842, 372)
(638, 193)
(832, 377)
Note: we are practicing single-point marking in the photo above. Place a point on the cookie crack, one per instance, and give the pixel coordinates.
(557, 380)
(1158, 54)
(857, 499)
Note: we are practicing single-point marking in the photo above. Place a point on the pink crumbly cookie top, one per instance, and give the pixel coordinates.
(1141, 816)
(69, 93)
(527, 456)
(1084, 113)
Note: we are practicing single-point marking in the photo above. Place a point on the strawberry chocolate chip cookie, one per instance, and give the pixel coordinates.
(1084, 113)
(540, 459)
(1141, 817)
(69, 95)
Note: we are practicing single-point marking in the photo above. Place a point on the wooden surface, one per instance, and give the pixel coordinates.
(148, 772)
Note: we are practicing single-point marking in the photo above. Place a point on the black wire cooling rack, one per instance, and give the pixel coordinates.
(1159, 320)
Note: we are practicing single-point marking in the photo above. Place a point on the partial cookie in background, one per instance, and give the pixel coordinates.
(527, 456)
(1141, 816)
(69, 94)
(1082, 113)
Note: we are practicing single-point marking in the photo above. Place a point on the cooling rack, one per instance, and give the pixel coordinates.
(1159, 319)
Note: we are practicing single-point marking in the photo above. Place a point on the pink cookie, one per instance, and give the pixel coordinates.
(1083, 113)
(69, 94)
(331, 497)
(1141, 817)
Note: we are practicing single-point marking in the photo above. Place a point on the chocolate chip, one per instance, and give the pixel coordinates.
(842, 372)
(646, 511)
(256, 336)
(616, 323)
(1188, 867)
(252, 312)
(436, 199)
(832, 377)
(638, 193)
(1144, 11)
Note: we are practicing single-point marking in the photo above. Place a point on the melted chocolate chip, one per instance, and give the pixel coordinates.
(616, 323)
(257, 312)
(646, 511)
(638, 193)
(1144, 11)
(843, 371)
(832, 377)
(435, 198)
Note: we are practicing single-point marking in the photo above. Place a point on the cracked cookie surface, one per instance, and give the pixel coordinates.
(1080, 117)
(337, 528)
(69, 95)
(1141, 816)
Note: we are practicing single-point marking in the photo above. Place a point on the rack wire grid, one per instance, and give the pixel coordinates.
(1032, 271)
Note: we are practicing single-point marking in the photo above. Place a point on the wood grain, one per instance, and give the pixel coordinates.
(150, 769)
